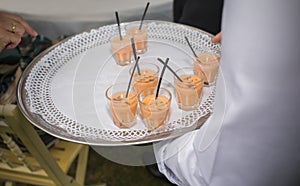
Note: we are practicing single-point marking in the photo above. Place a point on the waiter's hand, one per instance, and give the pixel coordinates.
(12, 28)
(217, 38)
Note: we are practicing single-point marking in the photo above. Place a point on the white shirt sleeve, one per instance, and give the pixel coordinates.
(257, 143)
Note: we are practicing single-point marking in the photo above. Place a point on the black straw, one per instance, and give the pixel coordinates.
(134, 54)
(118, 21)
(160, 78)
(135, 65)
(160, 60)
(144, 15)
(187, 40)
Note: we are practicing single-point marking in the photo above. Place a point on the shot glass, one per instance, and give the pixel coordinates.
(140, 36)
(148, 76)
(121, 49)
(122, 108)
(189, 90)
(209, 64)
(155, 111)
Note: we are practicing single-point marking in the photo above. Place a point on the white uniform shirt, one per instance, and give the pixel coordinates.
(257, 103)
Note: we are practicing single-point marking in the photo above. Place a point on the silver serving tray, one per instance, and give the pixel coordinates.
(62, 90)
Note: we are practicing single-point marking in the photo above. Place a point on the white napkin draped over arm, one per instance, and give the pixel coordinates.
(257, 144)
